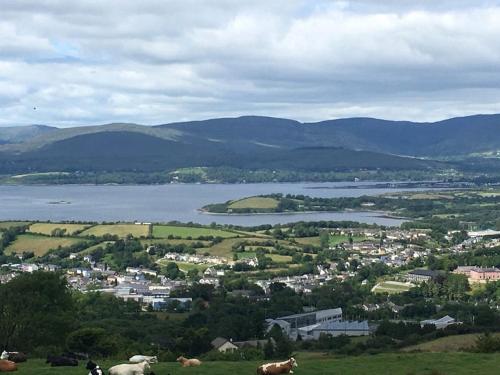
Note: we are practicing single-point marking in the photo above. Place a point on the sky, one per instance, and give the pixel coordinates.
(68, 63)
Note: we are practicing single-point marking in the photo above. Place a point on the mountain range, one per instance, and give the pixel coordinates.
(248, 142)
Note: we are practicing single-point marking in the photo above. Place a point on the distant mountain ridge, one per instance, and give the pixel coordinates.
(248, 142)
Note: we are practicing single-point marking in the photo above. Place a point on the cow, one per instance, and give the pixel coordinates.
(141, 358)
(130, 369)
(17, 357)
(7, 366)
(76, 355)
(188, 362)
(94, 368)
(59, 361)
(5, 355)
(277, 367)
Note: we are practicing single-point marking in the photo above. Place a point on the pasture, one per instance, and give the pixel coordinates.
(120, 230)
(338, 239)
(12, 224)
(262, 203)
(39, 245)
(47, 228)
(163, 231)
(381, 364)
(391, 287)
(453, 343)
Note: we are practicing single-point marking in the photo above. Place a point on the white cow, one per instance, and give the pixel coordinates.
(141, 358)
(5, 355)
(129, 369)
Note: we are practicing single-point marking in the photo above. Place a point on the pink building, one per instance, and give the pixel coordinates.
(478, 274)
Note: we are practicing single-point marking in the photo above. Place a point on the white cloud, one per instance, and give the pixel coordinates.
(158, 61)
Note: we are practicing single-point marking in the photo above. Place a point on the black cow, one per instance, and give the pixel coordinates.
(76, 355)
(59, 360)
(17, 357)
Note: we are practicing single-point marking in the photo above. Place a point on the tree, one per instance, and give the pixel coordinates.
(284, 346)
(269, 349)
(35, 308)
(172, 271)
(94, 341)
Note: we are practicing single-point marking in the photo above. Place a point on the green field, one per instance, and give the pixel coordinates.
(47, 228)
(225, 248)
(120, 230)
(163, 231)
(40, 245)
(382, 364)
(254, 202)
(280, 258)
(12, 224)
(391, 287)
(165, 241)
(315, 241)
(453, 343)
(246, 255)
(185, 266)
(335, 240)
(90, 249)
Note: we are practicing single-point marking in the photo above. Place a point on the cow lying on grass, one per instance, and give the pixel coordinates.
(277, 367)
(142, 358)
(188, 362)
(17, 357)
(7, 366)
(59, 361)
(129, 369)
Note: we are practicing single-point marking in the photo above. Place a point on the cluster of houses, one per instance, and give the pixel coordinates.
(394, 248)
(195, 258)
(301, 283)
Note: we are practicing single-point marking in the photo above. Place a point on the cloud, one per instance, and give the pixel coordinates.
(155, 61)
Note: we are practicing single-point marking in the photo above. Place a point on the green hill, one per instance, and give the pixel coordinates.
(253, 142)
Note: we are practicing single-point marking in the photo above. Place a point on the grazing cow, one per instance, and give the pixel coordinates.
(141, 358)
(59, 360)
(277, 368)
(17, 357)
(188, 362)
(7, 366)
(128, 369)
(94, 368)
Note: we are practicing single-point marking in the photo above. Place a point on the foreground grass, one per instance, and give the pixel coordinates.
(40, 245)
(382, 364)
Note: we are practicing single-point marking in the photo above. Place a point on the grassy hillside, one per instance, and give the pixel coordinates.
(255, 202)
(39, 245)
(120, 230)
(383, 364)
(453, 343)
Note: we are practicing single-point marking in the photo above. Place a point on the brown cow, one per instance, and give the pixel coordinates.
(277, 368)
(7, 366)
(188, 362)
